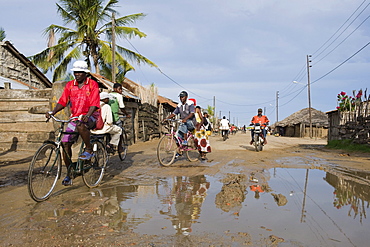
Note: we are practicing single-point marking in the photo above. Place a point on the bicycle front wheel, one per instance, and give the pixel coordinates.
(122, 150)
(192, 150)
(93, 169)
(44, 171)
(166, 150)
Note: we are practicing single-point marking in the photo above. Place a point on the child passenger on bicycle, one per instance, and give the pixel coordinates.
(186, 111)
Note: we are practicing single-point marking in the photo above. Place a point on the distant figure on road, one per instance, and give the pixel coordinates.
(263, 121)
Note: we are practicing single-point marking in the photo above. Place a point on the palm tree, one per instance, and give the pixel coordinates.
(91, 23)
(2, 34)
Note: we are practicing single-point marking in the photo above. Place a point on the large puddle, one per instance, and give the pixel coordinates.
(309, 207)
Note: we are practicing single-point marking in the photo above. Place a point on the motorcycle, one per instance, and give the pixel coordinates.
(258, 138)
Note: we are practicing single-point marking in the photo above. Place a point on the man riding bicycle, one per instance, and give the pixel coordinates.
(186, 111)
(82, 95)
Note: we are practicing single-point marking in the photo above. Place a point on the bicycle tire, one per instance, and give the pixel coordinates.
(166, 150)
(192, 153)
(93, 169)
(257, 143)
(44, 171)
(122, 155)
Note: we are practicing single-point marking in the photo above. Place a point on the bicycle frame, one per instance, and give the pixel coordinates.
(78, 165)
(178, 139)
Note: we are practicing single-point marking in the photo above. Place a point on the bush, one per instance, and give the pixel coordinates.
(348, 145)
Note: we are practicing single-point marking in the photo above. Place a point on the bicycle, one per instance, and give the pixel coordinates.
(46, 166)
(170, 146)
(225, 134)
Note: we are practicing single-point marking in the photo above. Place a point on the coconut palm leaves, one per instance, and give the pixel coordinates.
(2, 34)
(88, 34)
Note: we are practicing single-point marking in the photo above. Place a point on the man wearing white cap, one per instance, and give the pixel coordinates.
(82, 94)
(107, 116)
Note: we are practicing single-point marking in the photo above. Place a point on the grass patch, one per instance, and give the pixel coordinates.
(348, 145)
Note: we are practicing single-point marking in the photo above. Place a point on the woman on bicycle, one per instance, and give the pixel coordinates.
(201, 137)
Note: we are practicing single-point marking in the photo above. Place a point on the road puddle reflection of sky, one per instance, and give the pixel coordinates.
(309, 207)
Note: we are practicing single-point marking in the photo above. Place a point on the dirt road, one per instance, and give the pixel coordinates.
(135, 205)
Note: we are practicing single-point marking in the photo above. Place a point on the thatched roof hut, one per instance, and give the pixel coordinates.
(318, 118)
(297, 124)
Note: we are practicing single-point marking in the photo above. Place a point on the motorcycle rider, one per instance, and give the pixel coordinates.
(224, 126)
(263, 121)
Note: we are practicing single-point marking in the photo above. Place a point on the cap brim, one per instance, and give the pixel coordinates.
(81, 70)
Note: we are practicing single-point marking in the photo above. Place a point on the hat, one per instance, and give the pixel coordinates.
(204, 113)
(105, 95)
(260, 109)
(183, 94)
(80, 66)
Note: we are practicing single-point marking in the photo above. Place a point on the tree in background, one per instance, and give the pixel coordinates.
(90, 37)
(211, 111)
(2, 34)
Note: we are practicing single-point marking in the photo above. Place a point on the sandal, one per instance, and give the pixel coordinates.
(67, 181)
(86, 156)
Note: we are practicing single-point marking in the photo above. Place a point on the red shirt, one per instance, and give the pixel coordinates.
(80, 98)
(262, 120)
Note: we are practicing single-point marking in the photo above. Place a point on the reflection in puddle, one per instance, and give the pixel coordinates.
(307, 207)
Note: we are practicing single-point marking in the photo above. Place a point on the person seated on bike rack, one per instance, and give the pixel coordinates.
(82, 94)
(263, 121)
(224, 126)
(107, 116)
(186, 111)
(118, 106)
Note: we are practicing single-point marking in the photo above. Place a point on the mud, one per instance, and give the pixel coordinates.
(203, 203)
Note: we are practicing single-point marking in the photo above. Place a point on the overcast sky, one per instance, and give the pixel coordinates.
(240, 52)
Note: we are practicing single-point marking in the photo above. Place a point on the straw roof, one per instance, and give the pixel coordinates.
(319, 118)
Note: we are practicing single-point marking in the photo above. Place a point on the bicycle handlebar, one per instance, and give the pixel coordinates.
(173, 120)
(60, 120)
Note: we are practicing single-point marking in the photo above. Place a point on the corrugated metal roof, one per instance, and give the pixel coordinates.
(109, 85)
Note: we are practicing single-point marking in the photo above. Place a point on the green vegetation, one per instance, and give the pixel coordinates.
(2, 34)
(348, 145)
(89, 34)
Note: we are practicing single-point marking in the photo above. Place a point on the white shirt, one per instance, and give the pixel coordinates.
(106, 114)
(224, 124)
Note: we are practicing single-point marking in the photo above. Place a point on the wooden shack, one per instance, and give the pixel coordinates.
(298, 124)
(350, 125)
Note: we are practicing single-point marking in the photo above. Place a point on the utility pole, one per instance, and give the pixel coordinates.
(214, 111)
(277, 106)
(309, 93)
(113, 49)
(229, 117)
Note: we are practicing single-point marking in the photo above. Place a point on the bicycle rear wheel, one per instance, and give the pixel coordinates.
(93, 169)
(44, 171)
(192, 150)
(122, 151)
(166, 150)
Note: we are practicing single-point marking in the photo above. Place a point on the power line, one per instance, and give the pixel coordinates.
(345, 38)
(342, 26)
(341, 63)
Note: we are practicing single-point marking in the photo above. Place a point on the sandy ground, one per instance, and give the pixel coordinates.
(142, 163)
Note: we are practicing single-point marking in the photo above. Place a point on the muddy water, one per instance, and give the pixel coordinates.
(298, 207)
